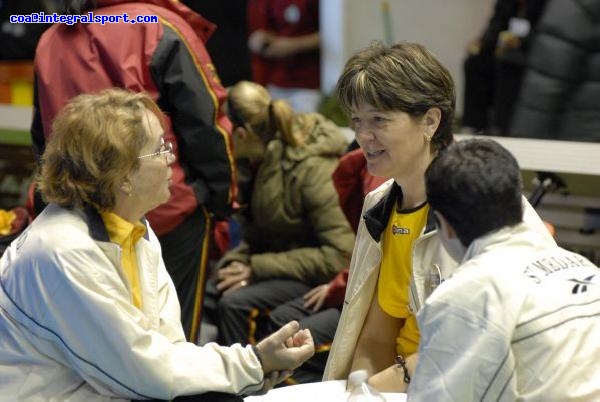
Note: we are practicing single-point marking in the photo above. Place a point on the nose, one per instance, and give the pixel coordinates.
(363, 134)
(170, 158)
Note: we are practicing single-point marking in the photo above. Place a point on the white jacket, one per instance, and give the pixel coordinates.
(69, 330)
(518, 320)
(429, 260)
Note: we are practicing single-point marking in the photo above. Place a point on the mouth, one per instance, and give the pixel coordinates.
(374, 154)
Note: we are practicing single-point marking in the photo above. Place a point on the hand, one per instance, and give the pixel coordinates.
(315, 297)
(285, 349)
(279, 47)
(234, 276)
(259, 40)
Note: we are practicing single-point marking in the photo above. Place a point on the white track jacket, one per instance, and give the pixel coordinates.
(69, 331)
(518, 321)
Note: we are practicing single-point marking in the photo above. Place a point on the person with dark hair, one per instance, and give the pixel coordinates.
(167, 60)
(518, 319)
(87, 309)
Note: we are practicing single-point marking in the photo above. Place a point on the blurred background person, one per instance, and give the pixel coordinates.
(87, 308)
(560, 95)
(494, 66)
(294, 234)
(20, 40)
(285, 50)
(167, 60)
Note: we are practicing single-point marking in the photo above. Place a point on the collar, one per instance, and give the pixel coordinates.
(122, 231)
(377, 217)
(97, 228)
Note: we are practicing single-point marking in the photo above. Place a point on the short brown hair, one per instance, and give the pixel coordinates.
(94, 144)
(404, 77)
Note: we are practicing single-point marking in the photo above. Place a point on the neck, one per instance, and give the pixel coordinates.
(413, 185)
(125, 207)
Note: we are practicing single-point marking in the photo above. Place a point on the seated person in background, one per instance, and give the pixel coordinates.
(518, 319)
(319, 310)
(294, 234)
(87, 308)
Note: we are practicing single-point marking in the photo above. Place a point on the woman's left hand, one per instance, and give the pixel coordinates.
(234, 276)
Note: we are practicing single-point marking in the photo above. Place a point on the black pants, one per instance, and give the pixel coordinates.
(322, 326)
(479, 91)
(185, 252)
(241, 315)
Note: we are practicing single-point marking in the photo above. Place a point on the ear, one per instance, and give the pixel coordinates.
(126, 187)
(445, 227)
(432, 119)
(240, 132)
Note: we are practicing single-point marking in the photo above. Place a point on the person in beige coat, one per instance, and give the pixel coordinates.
(294, 233)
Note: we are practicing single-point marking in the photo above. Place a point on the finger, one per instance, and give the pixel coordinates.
(309, 302)
(283, 375)
(310, 293)
(227, 282)
(226, 272)
(289, 342)
(318, 304)
(288, 330)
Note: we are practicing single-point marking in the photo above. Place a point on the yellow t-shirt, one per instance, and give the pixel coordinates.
(395, 271)
(126, 235)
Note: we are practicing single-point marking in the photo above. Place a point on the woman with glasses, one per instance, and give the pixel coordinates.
(294, 234)
(87, 308)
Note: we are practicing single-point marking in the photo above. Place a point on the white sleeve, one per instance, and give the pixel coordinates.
(103, 339)
(461, 353)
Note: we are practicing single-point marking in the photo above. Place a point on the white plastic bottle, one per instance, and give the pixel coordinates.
(360, 390)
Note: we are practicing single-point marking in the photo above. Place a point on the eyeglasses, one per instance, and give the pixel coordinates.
(166, 148)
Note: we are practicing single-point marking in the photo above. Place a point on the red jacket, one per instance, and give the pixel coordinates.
(168, 61)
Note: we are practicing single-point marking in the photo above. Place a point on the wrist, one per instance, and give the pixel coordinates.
(401, 362)
(258, 355)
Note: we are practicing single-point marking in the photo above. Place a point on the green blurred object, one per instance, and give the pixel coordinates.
(330, 108)
(387, 23)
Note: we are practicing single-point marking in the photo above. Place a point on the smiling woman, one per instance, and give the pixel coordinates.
(401, 102)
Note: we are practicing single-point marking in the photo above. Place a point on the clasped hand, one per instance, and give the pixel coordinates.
(233, 276)
(283, 351)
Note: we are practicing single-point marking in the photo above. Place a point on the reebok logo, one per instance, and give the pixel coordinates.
(582, 285)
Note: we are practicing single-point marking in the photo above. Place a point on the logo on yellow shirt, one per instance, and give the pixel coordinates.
(400, 230)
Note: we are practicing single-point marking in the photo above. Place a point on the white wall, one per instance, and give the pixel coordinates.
(444, 26)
